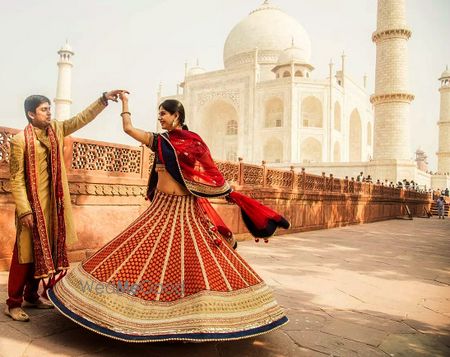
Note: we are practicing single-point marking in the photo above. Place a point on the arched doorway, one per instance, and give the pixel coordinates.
(273, 150)
(273, 116)
(312, 114)
(337, 152)
(337, 116)
(218, 128)
(311, 151)
(355, 136)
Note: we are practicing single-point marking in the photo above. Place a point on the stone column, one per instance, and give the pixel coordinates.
(391, 99)
(63, 99)
(444, 124)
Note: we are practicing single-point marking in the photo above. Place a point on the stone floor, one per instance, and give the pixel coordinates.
(379, 289)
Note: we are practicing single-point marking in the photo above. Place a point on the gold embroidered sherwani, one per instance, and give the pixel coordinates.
(45, 194)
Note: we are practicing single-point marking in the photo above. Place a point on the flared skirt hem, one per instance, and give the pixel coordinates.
(192, 337)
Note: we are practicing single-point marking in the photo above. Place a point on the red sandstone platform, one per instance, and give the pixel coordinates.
(380, 289)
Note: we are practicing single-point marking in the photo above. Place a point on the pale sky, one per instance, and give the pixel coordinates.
(135, 44)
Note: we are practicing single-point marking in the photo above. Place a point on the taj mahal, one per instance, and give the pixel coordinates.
(267, 105)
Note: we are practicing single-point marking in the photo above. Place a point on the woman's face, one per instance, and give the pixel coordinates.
(168, 121)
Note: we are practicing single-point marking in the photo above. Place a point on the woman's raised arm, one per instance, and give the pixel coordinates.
(140, 135)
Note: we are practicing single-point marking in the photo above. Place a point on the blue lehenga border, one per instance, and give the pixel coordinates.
(166, 337)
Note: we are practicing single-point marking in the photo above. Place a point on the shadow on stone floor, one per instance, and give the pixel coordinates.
(320, 324)
(370, 251)
(313, 330)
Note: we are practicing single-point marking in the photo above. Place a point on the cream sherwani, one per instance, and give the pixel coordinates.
(45, 194)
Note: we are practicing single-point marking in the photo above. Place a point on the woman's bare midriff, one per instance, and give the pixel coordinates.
(167, 184)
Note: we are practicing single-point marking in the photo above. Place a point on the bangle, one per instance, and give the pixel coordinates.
(121, 114)
(104, 99)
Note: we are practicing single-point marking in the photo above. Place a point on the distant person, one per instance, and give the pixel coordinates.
(440, 204)
(360, 177)
(446, 193)
(407, 184)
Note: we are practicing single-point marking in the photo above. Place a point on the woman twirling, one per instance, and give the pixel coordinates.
(173, 273)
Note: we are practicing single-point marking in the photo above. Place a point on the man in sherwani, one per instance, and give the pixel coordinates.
(40, 189)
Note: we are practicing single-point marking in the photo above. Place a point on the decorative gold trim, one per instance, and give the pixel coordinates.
(169, 248)
(391, 97)
(391, 33)
(197, 251)
(234, 268)
(241, 260)
(224, 277)
(107, 189)
(243, 306)
(206, 189)
(169, 339)
(184, 209)
(143, 240)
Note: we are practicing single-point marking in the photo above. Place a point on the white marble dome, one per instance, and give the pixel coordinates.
(268, 29)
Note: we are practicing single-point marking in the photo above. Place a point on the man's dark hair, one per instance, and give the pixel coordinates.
(32, 102)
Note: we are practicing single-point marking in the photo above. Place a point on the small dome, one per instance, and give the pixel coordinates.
(196, 70)
(193, 71)
(268, 29)
(66, 48)
(292, 54)
(445, 74)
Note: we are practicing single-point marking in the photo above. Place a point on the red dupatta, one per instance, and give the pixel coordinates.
(199, 172)
(46, 263)
(189, 161)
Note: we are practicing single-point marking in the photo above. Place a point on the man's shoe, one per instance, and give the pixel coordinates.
(17, 314)
(40, 303)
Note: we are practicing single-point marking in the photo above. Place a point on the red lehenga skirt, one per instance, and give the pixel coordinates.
(165, 278)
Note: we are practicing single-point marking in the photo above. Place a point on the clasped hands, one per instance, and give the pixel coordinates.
(115, 94)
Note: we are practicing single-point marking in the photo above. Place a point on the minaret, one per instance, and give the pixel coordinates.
(63, 90)
(444, 124)
(392, 98)
(421, 160)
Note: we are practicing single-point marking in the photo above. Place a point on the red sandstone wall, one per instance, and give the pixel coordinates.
(108, 182)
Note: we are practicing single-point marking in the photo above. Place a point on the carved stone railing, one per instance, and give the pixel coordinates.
(108, 182)
(90, 156)
(5, 138)
(86, 158)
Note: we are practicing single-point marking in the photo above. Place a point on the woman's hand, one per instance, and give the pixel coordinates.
(114, 94)
(123, 96)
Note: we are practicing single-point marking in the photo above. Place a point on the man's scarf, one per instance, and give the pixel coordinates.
(46, 264)
(188, 160)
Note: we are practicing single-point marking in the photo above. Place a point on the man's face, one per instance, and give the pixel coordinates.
(41, 118)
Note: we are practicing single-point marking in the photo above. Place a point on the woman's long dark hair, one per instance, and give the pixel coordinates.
(174, 106)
